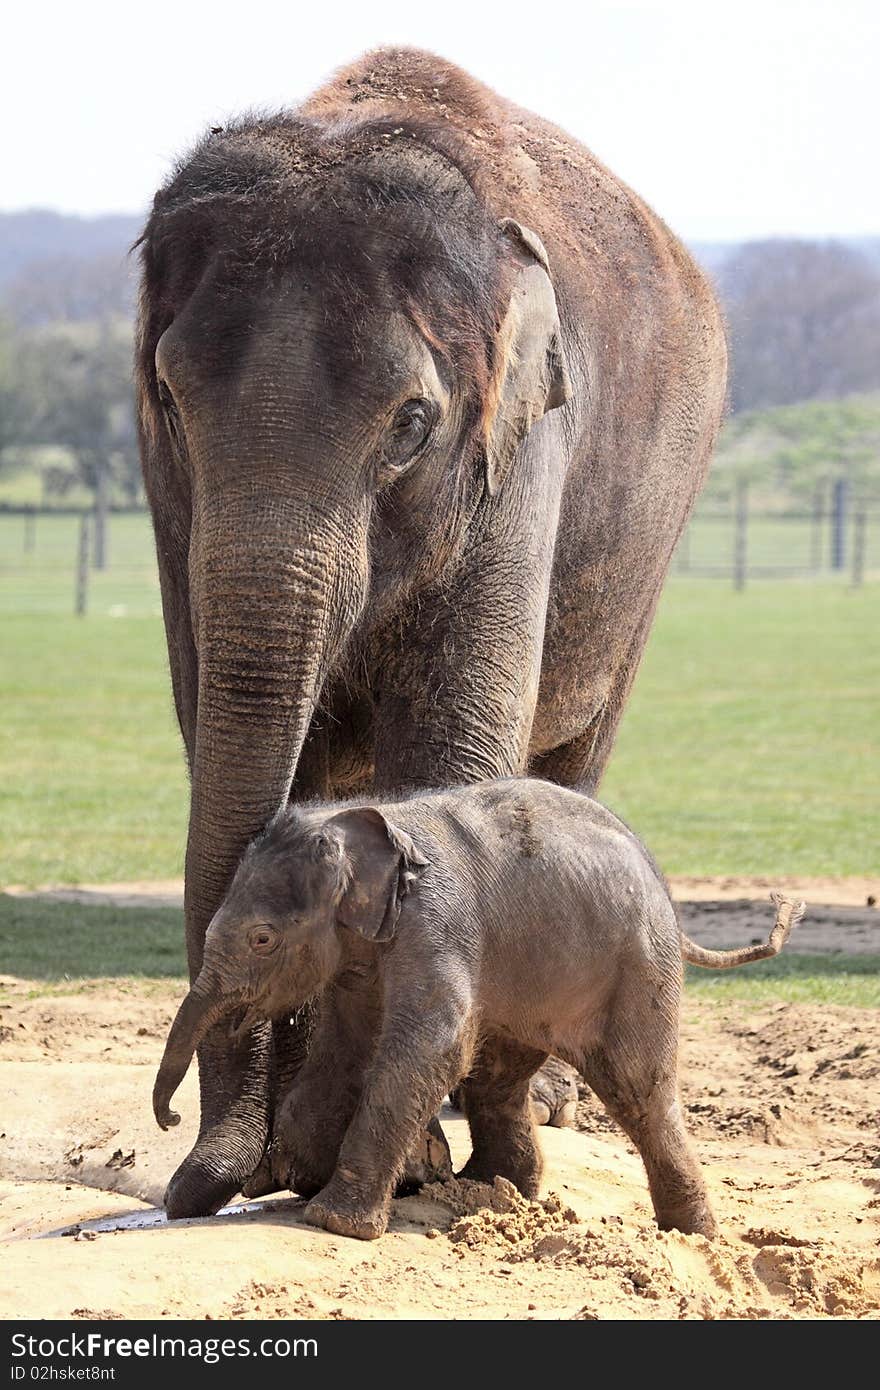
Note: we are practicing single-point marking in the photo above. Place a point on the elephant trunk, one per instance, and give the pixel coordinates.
(277, 583)
(204, 1005)
(275, 592)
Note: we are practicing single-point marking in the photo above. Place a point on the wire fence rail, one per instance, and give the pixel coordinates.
(837, 536)
(58, 562)
(50, 563)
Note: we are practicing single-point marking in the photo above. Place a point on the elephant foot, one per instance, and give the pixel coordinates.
(336, 1211)
(695, 1219)
(507, 1152)
(553, 1094)
(526, 1179)
(262, 1180)
(552, 1091)
(207, 1179)
(429, 1161)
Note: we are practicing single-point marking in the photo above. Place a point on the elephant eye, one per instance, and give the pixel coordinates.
(409, 431)
(263, 939)
(172, 416)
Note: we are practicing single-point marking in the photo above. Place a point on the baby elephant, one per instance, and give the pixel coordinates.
(476, 930)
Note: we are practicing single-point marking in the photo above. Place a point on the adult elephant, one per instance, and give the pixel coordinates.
(426, 395)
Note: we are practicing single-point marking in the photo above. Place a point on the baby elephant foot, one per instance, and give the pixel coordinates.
(553, 1094)
(342, 1214)
(522, 1168)
(692, 1220)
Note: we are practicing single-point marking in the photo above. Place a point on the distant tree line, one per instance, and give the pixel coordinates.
(66, 408)
(804, 322)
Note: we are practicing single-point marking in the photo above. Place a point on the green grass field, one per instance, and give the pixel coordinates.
(750, 744)
(749, 747)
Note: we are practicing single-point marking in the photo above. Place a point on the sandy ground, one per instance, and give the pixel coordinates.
(783, 1101)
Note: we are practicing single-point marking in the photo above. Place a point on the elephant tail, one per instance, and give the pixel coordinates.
(788, 912)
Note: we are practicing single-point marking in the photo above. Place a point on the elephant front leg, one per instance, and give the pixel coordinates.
(402, 1092)
(310, 1127)
(311, 1123)
(316, 1100)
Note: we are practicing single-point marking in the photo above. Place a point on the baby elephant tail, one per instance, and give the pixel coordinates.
(788, 912)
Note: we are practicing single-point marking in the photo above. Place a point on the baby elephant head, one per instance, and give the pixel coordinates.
(276, 939)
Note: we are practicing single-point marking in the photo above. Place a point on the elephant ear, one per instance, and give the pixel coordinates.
(383, 865)
(532, 376)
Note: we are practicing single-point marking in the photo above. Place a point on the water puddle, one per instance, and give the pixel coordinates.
(152, 1219)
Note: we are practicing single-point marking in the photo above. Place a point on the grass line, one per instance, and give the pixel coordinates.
(65, 943)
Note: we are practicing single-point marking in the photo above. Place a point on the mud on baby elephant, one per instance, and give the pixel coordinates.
(459, 936)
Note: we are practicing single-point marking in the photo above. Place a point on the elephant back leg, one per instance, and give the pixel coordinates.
(497, 1104)
(633, 1069)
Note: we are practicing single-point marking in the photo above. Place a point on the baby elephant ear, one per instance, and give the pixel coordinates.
(383, 864)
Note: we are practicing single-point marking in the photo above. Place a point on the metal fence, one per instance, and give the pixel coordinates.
(59, 562)
(838, 535)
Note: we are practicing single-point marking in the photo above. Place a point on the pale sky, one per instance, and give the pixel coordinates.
(736, 119)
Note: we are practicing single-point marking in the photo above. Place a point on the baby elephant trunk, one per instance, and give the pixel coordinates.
(198, 1013)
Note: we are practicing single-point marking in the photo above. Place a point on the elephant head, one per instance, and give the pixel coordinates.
(278, 937)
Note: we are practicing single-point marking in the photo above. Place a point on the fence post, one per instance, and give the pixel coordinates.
(839, 503)
(740, 534)
(30, 531)
(816, 528)
(858, 556)
(100, 548)
(82, 566)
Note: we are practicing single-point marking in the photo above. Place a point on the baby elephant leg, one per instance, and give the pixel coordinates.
(311, 1123)
(634, 1072)
(316, 1109)
(406, 1081)
(499, 1114)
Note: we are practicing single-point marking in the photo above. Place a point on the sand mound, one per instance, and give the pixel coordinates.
(679, 1276)
(498, 1215)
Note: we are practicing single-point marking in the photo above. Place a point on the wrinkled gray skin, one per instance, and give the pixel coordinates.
(463, 934)
(355, 608)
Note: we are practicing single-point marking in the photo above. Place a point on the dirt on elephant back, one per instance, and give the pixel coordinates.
(783, 1101)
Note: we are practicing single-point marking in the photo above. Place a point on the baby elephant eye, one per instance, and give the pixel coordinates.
(409, 431)
(263, 939)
